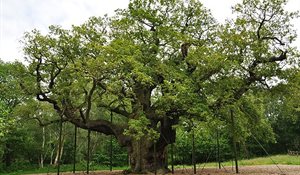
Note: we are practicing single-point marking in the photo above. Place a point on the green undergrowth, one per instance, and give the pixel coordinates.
(269, 160)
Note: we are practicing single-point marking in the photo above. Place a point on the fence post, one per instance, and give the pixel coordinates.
(218, 148)
(111, 144)
(59, 145)
(193, 150)
(88, 152)
(234, 142)
(75, 146)
(172, 157)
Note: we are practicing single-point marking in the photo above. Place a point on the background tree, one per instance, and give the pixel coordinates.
(10, 96)
(254, 56)
(283, 113)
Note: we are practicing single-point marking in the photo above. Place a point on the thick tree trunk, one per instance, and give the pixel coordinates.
(143, 156)
(144, 159)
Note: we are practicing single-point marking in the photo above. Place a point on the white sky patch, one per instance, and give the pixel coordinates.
(19, 16)
(220, 9)
(294, 5)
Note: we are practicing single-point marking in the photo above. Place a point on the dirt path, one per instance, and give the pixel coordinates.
(248, 170)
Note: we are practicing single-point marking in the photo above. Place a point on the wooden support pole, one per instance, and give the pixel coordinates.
(88, 152)
(218, 149)
(172, 157)
(129, 161)
(155, 161)
(234, 142)
(59, 145)
(111, 145)
(75, 147)
(193, 151)
(166, 160)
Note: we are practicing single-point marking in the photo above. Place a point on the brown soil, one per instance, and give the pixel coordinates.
(248, 170)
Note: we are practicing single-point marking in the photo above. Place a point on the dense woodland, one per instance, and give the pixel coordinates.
(154, 75)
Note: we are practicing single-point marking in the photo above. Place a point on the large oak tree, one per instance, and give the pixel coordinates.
(155, 62)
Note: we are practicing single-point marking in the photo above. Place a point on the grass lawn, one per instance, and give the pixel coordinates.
(279, 159)
(63, 168)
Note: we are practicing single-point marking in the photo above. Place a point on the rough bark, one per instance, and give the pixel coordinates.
(142, 157)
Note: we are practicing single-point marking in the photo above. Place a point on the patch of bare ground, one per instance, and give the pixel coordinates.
(247, 170)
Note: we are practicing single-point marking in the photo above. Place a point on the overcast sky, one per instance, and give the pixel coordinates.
(19, 16)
